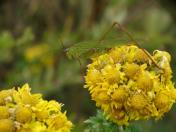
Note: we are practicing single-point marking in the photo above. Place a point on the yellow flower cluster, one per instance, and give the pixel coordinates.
(21, 111)
(128, 86)
(40, 52)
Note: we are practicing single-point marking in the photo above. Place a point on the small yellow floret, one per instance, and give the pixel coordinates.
(4, 113)
(23, 114)
(145, 82)
(162, 101)
(42, 115)
(131, 70)
(138, 102)
(6, 125)
(120, 95)
(4, 94)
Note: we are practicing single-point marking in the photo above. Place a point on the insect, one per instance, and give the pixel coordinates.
(87, 48)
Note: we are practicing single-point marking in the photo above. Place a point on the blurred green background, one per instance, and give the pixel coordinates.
(30, 49)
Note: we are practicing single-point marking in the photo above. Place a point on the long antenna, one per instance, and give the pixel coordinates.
(61, 43)
(130, 36)
(109, 30)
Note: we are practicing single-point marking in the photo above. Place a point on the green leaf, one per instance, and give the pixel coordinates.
(132, 128)
(99, 123)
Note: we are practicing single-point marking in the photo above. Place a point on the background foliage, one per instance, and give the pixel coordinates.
(30, 49)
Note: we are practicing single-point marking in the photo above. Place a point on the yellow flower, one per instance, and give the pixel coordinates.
(127, 85)
(5, 96)
(45, 108)
(36, 51)
(23, 96)
(23, 114)
(33, 127)
(6, 125)
(4, 113)
(120, 94)
(145, 82)
(111, 74)
(59, 123)
(137, 101)
(131, 70)
(163, 101)
(22, 111)
(40, 52)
